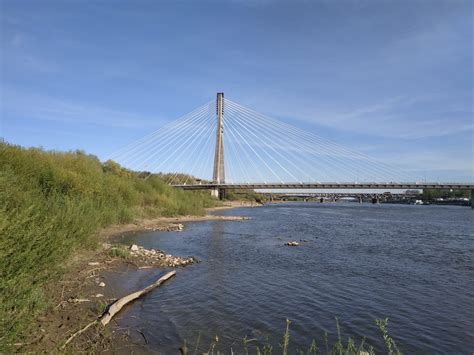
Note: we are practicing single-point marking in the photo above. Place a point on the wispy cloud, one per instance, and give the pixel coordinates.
(44, 108)
(437, 165)
(398, 117)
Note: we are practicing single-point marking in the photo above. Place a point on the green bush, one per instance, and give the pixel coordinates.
(52, 203)
(245, 195)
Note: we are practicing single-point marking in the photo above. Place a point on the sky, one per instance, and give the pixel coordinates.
(391, 79)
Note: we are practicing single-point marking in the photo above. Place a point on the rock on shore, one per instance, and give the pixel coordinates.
(172, 227)
(158, 257)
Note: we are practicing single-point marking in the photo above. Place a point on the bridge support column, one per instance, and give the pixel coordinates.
(221, 194)
(360, 199)
(472, 198)
(218, 193)
(218, 176)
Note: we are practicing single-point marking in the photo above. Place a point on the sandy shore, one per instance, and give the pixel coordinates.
(162, 223)
(93, 280)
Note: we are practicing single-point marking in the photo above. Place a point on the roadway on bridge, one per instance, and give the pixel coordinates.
(331, 185)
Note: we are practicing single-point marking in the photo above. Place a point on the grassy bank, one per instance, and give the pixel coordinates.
(53, 203)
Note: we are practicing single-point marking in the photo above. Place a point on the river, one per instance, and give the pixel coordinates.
(412, 264)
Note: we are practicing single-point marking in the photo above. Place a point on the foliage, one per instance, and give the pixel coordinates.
(389, 342)
(119, 252)
(244, 195)
(181, 179)
(52, 203)
(431, 194)
(340, 347)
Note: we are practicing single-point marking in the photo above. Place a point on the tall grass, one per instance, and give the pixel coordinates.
(52, 203)
(255, 346)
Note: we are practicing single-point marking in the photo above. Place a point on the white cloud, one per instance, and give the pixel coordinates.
(17, 40)
(399, 117)
(45, 108)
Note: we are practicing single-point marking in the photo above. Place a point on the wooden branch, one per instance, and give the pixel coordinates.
(117, 306)
(79, 332)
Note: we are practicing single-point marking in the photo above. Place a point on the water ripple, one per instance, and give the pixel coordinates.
(413, 264)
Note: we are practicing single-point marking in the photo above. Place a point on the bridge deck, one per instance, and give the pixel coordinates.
(332, 185)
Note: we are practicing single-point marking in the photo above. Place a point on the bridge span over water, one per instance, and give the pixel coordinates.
(372, 186)
(330, 185)
(259, 149)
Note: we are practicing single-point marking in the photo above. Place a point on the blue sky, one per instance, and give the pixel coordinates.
(392, 79)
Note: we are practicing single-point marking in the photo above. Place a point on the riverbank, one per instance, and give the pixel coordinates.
(171, 223)
(94, 279)
(52, 206)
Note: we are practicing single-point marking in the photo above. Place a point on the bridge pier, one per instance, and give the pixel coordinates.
(218, 193)
(360, 199)
(218, 175)
(472, 198)
(221, 194)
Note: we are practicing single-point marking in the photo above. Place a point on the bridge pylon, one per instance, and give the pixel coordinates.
(218, 175)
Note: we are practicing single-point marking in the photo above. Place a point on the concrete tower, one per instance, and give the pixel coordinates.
(218, 176)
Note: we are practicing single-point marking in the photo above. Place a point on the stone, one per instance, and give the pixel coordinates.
(102, 284)
(134, 247)
(292, 244)
(99, 295)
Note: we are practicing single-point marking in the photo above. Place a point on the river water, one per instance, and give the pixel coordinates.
(412, 264)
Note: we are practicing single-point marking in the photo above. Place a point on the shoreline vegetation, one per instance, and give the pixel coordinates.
(285, 347)
(54, 207)
(60, 268)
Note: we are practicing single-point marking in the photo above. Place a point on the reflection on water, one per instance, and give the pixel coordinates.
(413, 264)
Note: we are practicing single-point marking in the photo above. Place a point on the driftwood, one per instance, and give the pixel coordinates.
(115, 307)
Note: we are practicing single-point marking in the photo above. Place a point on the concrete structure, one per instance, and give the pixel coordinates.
(335, 196)
(333, 185)
(218, 176)
(218, 186)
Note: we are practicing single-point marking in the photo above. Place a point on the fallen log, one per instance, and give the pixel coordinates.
(117, 306)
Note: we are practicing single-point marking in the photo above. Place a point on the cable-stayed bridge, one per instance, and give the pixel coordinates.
(223, 145)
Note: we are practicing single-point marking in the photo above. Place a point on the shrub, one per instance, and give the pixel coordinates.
(52, 203)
